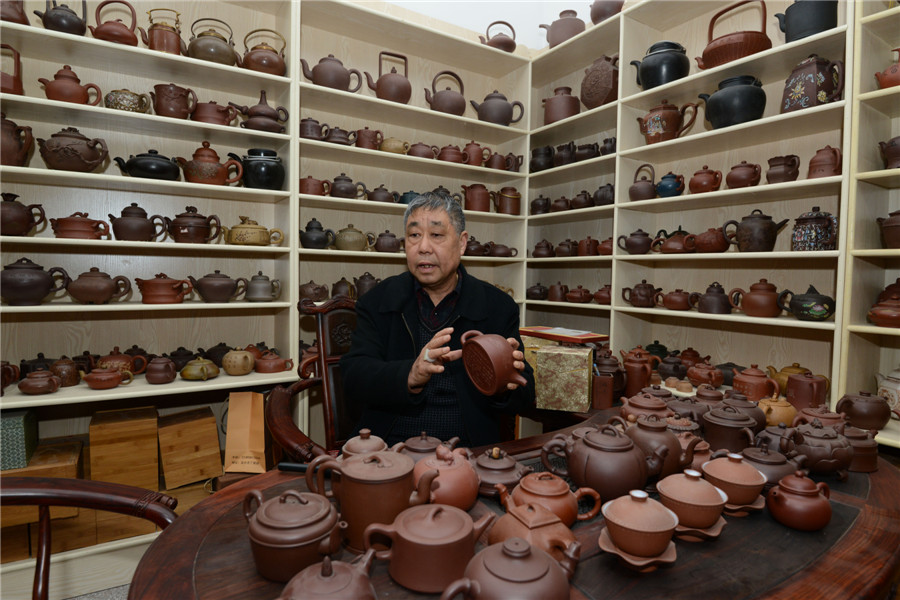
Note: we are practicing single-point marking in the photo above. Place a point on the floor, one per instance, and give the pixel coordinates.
(890, 454)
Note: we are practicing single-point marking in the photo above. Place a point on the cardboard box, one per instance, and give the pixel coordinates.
(18, 438)
(189, 447)
(563, 378)
(530, 346)
(60, 459)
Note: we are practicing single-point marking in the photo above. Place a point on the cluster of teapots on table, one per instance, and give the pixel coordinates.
(602, 196)
(546, 157)
(560, 292)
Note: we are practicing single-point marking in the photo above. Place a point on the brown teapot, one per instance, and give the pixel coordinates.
(115, 31)
(866, 410)
(39, 382)
(16, 219)
(331, 72)
(135, 363)
(391, 86)
(190, 227)
(170, 100)
(270, 362)
(106, 379)
(212, 112)
(423, 446)
(263, 117)
(757, 232)
(25, 283)
(67, 371)
(211, 45)
(97, 287)
(713, 301)
(388, 242)
(500, 41)
(644, 189)
(206, 168)
(535, 524)
(651, 433)
(446, 100)
(664, 122)
(313, 291)
(343, 187)
(66, 87)
(754, 384)
(703, 372)
(322, 580)
(800, 503)
(712, 240)
(16, 143)
(163, 36)
(218, 287)
(826, 448)
(496, 467)
(495, 108)
(670, 243)
(641, 295)
(727, 428)
(79, 226)
(705, 180)
(553, 493)
(263, 57)
(134, 225)
(69, 150)
(825, 163)
(743, 175)
(162, 289)
(760, 301)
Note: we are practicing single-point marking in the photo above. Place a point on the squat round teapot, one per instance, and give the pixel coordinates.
(351, 238)
(206, 168)
(331, 72)
(495, 108)
(263, 57)
(66, 87)
(391, 86)
(500, 41)
(115, 31)
(447, 100)
(16, 219)
(211, 45)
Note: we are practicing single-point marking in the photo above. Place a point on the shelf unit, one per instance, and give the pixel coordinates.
(874, 192)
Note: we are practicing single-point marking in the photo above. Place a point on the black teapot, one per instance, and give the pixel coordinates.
(315, 236)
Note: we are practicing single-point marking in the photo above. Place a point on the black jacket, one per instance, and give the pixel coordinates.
(383, 350)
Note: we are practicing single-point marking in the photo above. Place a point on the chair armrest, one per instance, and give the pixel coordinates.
(281, 423)
(85, 493)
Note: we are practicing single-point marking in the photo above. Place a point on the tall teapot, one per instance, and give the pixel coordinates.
(391, 86)
(162, 36)
(64, 19)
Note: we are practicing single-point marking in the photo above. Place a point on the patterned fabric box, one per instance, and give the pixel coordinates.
(530, 346)
(19, 438)
(563, 378)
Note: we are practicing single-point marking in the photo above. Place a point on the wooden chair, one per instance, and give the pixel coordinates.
(335, 322)
(45, 492)
(281, 424)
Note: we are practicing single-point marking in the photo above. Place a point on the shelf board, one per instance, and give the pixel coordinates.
(731, 256)
(338, 153)
(577, 51)
(355, 105)
(886, 178)
(800, 123)
(883, 23)
(764, 192)
(46, 45)
(578, 214)
(601, 165)
(198, 305)
(50, 244)
(91, 119)
(769, 65)
(556, 260)
(335, 253)
(368, 206)
(890, 434)
(122, 183)
(777, 322)
(357, 22)
(874, 330)
(885, 101)
(875, 253)
(602, 118)
(573, 305)
(139, 388)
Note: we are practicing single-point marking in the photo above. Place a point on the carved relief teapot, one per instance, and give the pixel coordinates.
(250, 233)
(204, 167)
(69, 150)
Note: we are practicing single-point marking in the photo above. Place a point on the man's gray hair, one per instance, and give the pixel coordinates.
(437, 201)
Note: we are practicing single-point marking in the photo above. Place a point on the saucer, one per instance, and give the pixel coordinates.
(639, 563)
(691, 534)
(734, 510)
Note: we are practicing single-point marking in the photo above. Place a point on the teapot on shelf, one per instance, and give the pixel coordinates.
(162, 36)
(211, 45)
(263, 57)
(64, 19)
(263, 117)
(66, 87)
(446, 100)
(204, 167)
(391, 86)
(495, 108)
(331, 72)
(500, 41)
(115, 31)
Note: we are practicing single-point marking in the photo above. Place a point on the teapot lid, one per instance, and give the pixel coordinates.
(514, 561)
(691, 488)
(732, 468)
(609, 439)
(815, 429)
(259, 276)
(689, 351)
(363, 443)
(666, 46)
(342, 176)
(863, 396)
(816, 213)
(755, 213)
(212, 33)
(24, 263)
(94, 272)
(647, 402)
(205, 152)
(640, 232)
(652, 422)
(66, 73)
(369, 277)
(70, 132)
(261, 153)
(544, 484)
(533, 516)
(656, 347)
(330, 58)
(292, 517)
(248, 223)
(495, 95)
(799, 484)
(753, 371)
(715, 288)
(420, 443)
(436, 524)
(330, 579)
(729, 416)
(387, 234)
(496, 459)
(216, 275)
(313, 225)
(639, 512)
(739, 401)
(182, 352)
(382, 466)
(190, 212)
(134, 210)
(762, 455)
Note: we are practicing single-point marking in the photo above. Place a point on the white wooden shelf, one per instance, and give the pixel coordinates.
(136, 306)
(736, 317)
(884, 100)
(729, 256)
(86, 52)
(876, 253)
(578, 214)
(701, 145)
(334, 253)
(757, 194)
(578, 260)
(874, 330)
(139, 388)
(883, 23)
(138, 184)
(890, 434)
(93, 119)
(592, 306)
(886, 178)
(52, 244)
(602, 118)
(593, 167)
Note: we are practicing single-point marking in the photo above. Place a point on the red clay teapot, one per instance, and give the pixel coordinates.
(66, 87)
(743, 175)
(760, 301)
(97, 287)
(163, 36)
(754, 384)
(391, 86)
(162, 289)
(263, 57)
(825, 163)
(69, 150)
(705, 180)
(553, 493)
(115, 31)
(17, 142)
(800, 503)
(204, 167)
(566, 26)
(16, 219)
(890, 76)
(665, 122)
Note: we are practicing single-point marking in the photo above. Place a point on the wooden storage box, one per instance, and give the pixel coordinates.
(189, 447)
(61, 459)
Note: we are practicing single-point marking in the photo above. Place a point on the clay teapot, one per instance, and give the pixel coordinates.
(446, 100)
(336, 135)
(39, 382)
(703, 372)
(66, 87)
(79, 226)
(206, 168)
(727, 428)
(665, 122)
(162, 36)
(811, 306)
(815, 230)
(495, 467)
(644, 403)
(712, 240)
(351, 238)
(800, 503)
(644, 189)
(477, 197)
(514, 568)
(200, 369)
(97, 287)
(343, 187)
(866, 411)
(250, 233)
(315, 236)
(67, 371)
(190, 227)
(705, 180)
(218, 287)
(733, 46)
(664, 62)
(423, 446)
(738, 99)
(313, 291)
(826, 448)
(890, 152)
(651, 434)
(64, 19)
(331, 72)
(890, 76)
(566, 26)
(604, 459)
(262, 116)
(754, 384)
(135, 363)
(495, 108)
(16, 219)
(263, 56)
(670, 185)
(488, 361)
(825, 163)
(814, 81)
(536, 292)
(162, 289)
(805, 390)
(760, 301)
(106, 379)
(671, 366)
(561, 105)
(743, 175)
(17, 143)
(391, 86)
(69, 150)
(388, 242)
(579, 295)
(25, 283)
(474, 247)
(783, 168)
(757, 232)
(714, 300)
(500, 41)
(600, 84)
(329, 579)
(670, 243)
(270, 362)
(290, 532)
(115, 31)
(540, 205)
(458, 482)
(211, 45)
(638, 242)
(370, 139)
(747, 407)
(430, 545)
(551, 492)
(641, 295)
(535, 524)
(170, 100)
(451, 153)
(150, 165)
(161, 370)
(214, 113)
(342, 287)
(262, 289)
(382, 194)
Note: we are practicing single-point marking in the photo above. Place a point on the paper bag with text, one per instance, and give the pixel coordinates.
(245, 443)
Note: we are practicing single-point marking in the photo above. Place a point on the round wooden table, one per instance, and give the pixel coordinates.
(206, 554)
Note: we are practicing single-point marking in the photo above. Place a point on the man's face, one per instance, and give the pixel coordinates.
(433, 248)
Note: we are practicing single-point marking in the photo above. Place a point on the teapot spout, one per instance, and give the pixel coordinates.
(475, 105)
(370, 82)
(637, 67)
(781, 224)
(307, 72)
(781, 23)
(121, 163)
(483, 41)
(144, 37)
(505, 499)
(772, 371)
(43, 80)
(428, 96)
(688, 455)
(542, 26)
(704, 97)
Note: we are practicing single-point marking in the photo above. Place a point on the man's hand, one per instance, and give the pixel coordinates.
(518, 360)
(431, 360)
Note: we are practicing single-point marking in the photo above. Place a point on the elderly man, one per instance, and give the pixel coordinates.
(404, 362)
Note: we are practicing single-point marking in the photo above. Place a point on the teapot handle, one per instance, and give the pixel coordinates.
(238, 167)
(691, 121)
(387, 531)
(640, 168)
(248, 503)
(586, 491)
(359, 81)
(215, 226)
(159, 226)
(315, 474)
(838, 66)
(451, 74)
(555, 446)
(63, 283)
(730, 238)
(468, 335)
(193, 101)
(239, 290)
(384, 53)
(276, 291)
(521, 112)
(780, 301)
(693, 299)
(733, 297)
(488, 31)
(123, 285)
(281, 37)
(93, 86)
(276, 236)
(130, 7)
(360, 189)
(139, 358)
(712, 23)
(230, 32)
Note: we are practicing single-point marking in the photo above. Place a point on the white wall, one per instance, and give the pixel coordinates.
(523, 15)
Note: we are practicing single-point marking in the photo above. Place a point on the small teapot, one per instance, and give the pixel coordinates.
(388, 242)
(250, 233)
(270, 362)
(211, 45)
(218, 287)
(200, 369)
(343, 187)
(495, 108)
(743, 175)
(263, 57)
(641, 295)
(713, 301)
(262, 289)
(70, 150)
(17, 143)
(825, 163)
(206, 168)
(800, 503)
(391, 86)
(343, 287)
(664, 122)
(568, 25)
(351, 238)
(263, 117)
(887, 78)
(315, 236)
(331, 72)
(105, 379)
(97, 287)
(382, 194)
(760, 301)
(543, 249)
(705, 180)
(115, 31)
(162, 36)
(318, 581)
(364, 283)
(644, 189)
(811, 306)
(66, 87)
(446, 100)
(64, 19)
(162, 289)
(757, 232)
(536, 292)
(16, 219)
(670, 243)
(500, 41)
(815, 230)
(191, 227)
